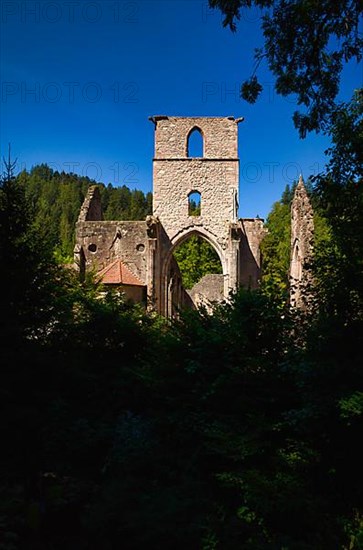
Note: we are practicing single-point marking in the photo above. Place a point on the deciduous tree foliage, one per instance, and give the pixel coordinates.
(276, 245)
(196, 257)
(340, 194)
(306, 45)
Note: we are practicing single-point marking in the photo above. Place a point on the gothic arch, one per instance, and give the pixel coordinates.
(296, 263)
(201, 145)
(199, 232)
(169, 258)
(214, 173)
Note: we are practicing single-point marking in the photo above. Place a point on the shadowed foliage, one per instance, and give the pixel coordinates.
(236, 428)
(306, 45)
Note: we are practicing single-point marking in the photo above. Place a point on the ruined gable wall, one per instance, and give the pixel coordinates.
(104, 241)
(91, 209)
(250, 252)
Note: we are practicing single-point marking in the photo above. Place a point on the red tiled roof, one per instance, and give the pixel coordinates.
(118, 273)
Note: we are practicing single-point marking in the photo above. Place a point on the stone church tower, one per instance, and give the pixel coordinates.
(214, 177)
(138, 255)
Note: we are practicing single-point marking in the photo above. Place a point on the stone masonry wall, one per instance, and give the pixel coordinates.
(219, 133)
(91, 209)
(208, 290)
(302, 235)
(104, 241)
(215, 175)
(250, 253)
(214, 181)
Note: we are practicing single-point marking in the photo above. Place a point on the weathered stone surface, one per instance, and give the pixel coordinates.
(215, 176)
(302, 236)
(91, 209)
(105, 241)
(253, 231)
(219, 133)
(209, 290)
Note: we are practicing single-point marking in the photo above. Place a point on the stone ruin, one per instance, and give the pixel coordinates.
(301, 251)
(137, 256)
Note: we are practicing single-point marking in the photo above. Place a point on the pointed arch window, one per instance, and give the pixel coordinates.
(296, 267)
(195, 143)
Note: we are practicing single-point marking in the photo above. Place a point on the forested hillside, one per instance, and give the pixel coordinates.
(56, 199)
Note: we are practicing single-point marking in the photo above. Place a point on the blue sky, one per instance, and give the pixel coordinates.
(80, 79)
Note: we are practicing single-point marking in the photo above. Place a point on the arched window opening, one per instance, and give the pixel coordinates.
(296, 267)
(82, 264)
(194, 203)
(296, 253)
(195, 146)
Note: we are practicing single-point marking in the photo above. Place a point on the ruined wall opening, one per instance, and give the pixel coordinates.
(296, 264)
(81, 260)
(195, 143)
(194, 203)
(200, 268)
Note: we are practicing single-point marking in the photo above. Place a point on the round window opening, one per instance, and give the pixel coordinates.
(140, 247)
(92, 247)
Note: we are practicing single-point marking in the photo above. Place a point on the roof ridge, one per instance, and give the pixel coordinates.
(105, 269)
(127, 268)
